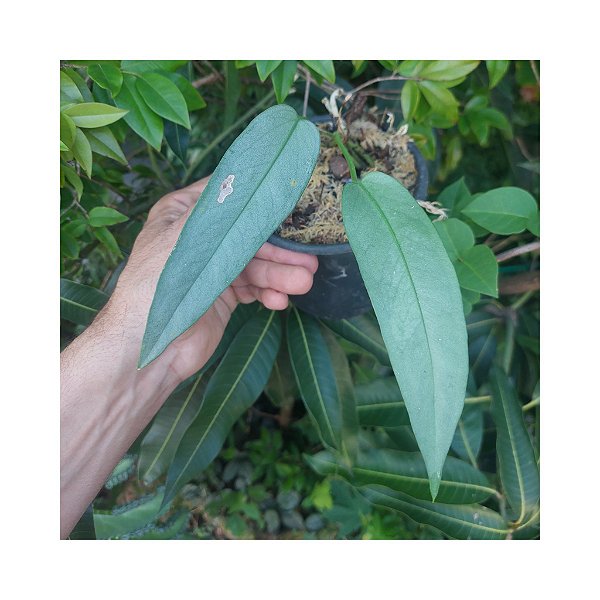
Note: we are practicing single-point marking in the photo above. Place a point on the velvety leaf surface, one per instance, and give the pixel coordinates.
(236, 384)
(414, 290)
(270, 163)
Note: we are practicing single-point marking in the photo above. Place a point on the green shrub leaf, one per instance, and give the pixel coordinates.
(409, 99)
(477, 270)
(379, 403)
(146, 123)
(164, 98)
(107, 76)
(82, 151)
(102, 216)
(277, 151)
(236, 384)
(496, 70)
(504, 210)
(94, 114)
(283, 79)
(456, 236)
(447, 70)
(266, 67)
(325, 68)
(102, 141)
(414, 290)
(469, 433)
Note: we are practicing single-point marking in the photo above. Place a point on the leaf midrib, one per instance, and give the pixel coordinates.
(313, 373)
(208, 262)
(397, 241)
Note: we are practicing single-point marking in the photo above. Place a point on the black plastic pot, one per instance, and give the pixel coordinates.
(338, 291)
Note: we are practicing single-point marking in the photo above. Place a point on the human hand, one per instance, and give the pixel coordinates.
(269, 278)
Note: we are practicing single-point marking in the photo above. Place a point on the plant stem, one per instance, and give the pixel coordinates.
(224, 134)
(306, 90)
(535, 402)
(522, 300)
(338, 140)
(477, 399)
(509, 343)
(525, 249)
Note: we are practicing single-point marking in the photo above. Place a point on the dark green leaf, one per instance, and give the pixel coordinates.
(325, 68)
(67, 130)
(405, 472)
(467, 522)
(73, 179)
(94, 114)
(107, 76)
(176, 415)
(220, 237)
(504, 210)
(147, 124)
(232, 94)
(413, 287)
(469, 433)
(322, 389)
(477, 270)
(380, 403)
(101, 216)
(102, 141)
(266, 67)
(178, 139)
(534, 223)
(496, 70)
(192, 96)
(455, 196)
(242, 64)
(84, 530)
(80, 303)
(518, 468)
(236, 384)
(283, 79)
(363, 332)
(164, 98)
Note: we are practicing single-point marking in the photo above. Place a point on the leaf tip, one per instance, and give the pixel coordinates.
(434, 484)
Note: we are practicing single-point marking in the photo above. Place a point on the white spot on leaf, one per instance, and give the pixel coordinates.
(225, 188)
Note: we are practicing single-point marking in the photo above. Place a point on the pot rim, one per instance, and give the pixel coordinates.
(344, 247)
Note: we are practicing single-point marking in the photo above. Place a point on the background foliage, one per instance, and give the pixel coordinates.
(134, 130)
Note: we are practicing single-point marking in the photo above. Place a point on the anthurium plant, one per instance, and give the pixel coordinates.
(416, 407)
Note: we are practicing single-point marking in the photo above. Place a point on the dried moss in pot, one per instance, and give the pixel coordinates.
(317, 218)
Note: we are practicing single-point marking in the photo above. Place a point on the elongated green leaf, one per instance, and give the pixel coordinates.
(467, 522)
(409, 99)
(101, 216)
(107, 76)
(477, 270)
(192, 96)
(440, 99)
(518, 468)
(164, 98)
(405, 472)
(267, 169)
(496, 70)
(363, 332)
(320, 386)
(148, 66)
(82, 151)
(266, 67)
(456, 236)
(380, 403)
(176, 415)
(326, 463)
(84, 530)
(236, 384)
(447, 70)
(325, 68)
(283, 79)
(147, 124)
(67, 130)
(69, 92)
(129, 518)
(82, 86)
(413, 287)
(107, 239)
(469, 433)
(505, 210)
(94, 114)
(178, 138)
(102, 141)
